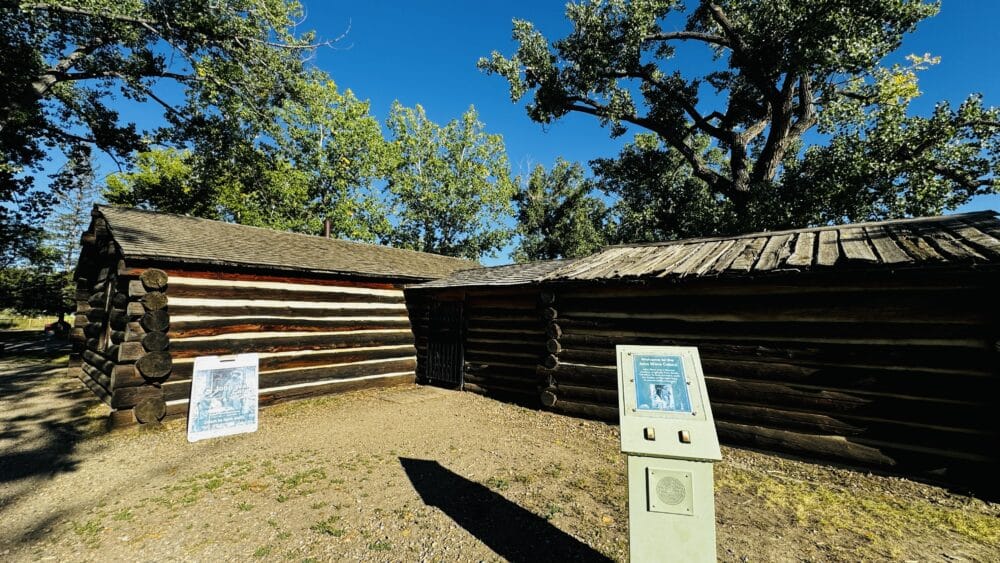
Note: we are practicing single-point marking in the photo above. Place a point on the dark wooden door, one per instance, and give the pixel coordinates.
(445, 354)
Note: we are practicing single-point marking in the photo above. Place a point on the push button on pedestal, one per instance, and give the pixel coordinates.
(684, 436)
(649, 432)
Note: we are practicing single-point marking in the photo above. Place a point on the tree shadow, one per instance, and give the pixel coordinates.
(43, 412)
(515, 533)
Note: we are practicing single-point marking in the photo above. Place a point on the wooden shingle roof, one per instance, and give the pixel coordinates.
(147, 235)
(494, 276)
(946, 241)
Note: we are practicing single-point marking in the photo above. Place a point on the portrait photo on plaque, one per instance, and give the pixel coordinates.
(660, 385)
(223, 396)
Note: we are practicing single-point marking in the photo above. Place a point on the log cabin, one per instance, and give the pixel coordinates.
(874, 345)
(155, 290)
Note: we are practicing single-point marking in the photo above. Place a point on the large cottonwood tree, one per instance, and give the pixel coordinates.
(783, 69)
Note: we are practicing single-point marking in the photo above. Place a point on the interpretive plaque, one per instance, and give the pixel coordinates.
(223, 396)
(660, 384)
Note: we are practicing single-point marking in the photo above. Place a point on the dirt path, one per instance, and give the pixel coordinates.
(411, 474)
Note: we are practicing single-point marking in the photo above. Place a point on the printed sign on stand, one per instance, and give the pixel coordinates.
(223, 396)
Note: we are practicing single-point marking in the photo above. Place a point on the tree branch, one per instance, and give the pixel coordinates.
(698, 167)
(688, 35)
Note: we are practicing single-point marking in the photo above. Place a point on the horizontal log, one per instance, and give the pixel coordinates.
(958, 443)
(501, 391)
(529, 360)
(258, 311)
(97, 300)
(587, 410)
(126, 375)
(97, 315)
(810, 445)
(912, 306)
(213, 327)
(135, 290)
(596, 395)
(518, 324)
(96, 375)
(134, 332)
(487, 380)
(522, 373)
(135, 310)
(913, 382)
(182, 370)
(834, 284)
(129, 352)
(281, 294)
(95, 388)
(892, 333)
(128, 397)
(530, 350)
(93, 330)
(959, 414)
(182, 389)
(118, 336)
(973, 362)
(192, 348)
(118, 319)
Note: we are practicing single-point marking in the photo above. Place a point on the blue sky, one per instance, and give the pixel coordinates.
(425, 52)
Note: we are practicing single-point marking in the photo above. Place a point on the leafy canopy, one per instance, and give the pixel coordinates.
(451, 188)
(783, 68)
(557, 216)
(211, 67)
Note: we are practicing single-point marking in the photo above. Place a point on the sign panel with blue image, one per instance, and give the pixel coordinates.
(660, 385)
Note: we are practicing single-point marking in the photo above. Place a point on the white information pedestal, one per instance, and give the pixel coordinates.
(668, 434)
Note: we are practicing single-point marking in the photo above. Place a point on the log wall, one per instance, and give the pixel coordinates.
(504, 339)
(894, 374)
(312, 338)
(140, 326)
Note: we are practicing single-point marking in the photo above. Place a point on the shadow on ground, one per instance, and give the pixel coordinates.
(43, 411)
(515, 533)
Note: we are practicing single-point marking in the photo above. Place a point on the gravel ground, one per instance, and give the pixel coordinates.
(414, 474)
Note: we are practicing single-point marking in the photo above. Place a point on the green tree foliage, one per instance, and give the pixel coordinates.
(340, 155)
(557, 215)
(656, 195)
(68, 66)
(784, 68)
(451, 188)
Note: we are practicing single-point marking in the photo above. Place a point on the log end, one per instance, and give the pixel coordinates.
(150, 410)
(154, 279)
(549, 397)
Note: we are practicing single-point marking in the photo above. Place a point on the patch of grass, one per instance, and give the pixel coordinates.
(523, 478)
(89, 532)
(317, 505)
(244, 507)
(551, 510)
(303, 477)
(498, 483)
(328, 527)
(122, 515)
(553, 469)
(282, 497)
(262, 551)
(877, 516)
(380, 545)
